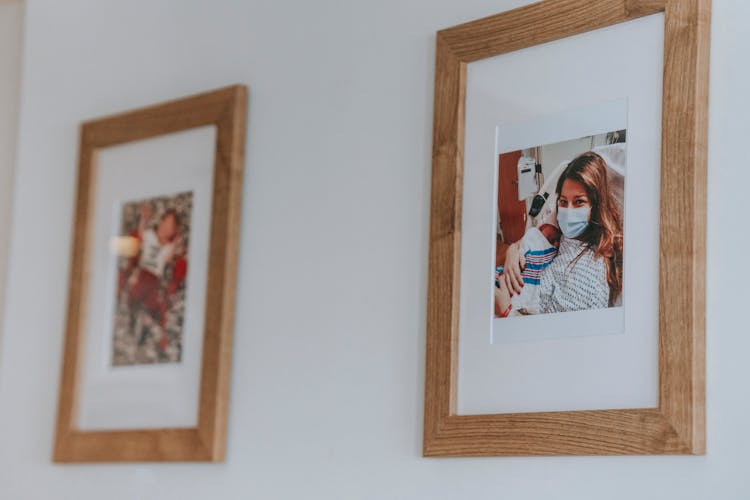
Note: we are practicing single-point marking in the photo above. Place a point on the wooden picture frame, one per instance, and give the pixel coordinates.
(677, 425)
(226, 109)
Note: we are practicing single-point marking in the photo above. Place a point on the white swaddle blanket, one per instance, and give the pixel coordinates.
(539, 254)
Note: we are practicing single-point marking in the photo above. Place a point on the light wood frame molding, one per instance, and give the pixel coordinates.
(677, 425)
(225, 108)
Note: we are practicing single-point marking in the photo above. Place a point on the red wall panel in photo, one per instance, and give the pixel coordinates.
(512, 212)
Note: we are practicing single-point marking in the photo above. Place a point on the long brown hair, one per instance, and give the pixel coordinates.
(604, 232)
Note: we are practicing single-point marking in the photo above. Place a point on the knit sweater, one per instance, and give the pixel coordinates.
(574, 285)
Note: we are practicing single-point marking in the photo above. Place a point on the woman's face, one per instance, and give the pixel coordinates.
(573, 195)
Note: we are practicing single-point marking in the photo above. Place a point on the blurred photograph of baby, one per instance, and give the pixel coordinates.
(152, 270)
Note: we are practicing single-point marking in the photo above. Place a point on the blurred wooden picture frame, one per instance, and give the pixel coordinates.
(219, 115)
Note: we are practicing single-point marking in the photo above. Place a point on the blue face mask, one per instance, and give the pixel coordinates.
(573, 221)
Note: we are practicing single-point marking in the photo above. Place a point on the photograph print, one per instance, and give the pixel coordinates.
(152, 262)
(560, 226)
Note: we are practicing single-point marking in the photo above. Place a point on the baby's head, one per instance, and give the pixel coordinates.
(166, 229)
(552, 233)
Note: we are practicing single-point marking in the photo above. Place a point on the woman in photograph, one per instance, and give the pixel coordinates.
(587, 271)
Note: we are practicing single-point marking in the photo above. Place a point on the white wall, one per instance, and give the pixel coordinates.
(554, 154)
(329, 353)
(11, 21)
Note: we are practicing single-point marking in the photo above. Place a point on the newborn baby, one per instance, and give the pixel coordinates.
(539, 247)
